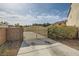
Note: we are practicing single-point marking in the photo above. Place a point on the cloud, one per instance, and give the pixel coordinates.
(28, 15)
(29, 19)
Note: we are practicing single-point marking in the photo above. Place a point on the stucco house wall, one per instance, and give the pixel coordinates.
(73, 18)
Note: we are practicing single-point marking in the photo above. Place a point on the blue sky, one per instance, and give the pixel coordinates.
(25, 13)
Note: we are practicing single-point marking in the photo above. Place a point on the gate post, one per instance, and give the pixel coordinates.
(78, 33)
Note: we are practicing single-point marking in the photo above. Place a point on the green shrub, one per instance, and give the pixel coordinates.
(62, 32)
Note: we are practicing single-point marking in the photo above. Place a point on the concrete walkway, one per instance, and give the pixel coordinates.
(44, 47)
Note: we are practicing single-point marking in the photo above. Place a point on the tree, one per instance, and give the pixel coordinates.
(17, 25)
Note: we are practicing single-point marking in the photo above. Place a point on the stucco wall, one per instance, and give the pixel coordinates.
(73, 18)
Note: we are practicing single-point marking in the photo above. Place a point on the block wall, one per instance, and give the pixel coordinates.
(2, 35)
(14, 33)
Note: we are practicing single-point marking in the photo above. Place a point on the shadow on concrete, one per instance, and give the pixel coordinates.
(38, 41)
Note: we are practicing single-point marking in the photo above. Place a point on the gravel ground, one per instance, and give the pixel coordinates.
(73, 43)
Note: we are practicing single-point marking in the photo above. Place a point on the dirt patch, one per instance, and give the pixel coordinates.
(73, 43)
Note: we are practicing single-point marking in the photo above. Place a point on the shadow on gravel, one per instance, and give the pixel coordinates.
(10, 48)
(73, 43)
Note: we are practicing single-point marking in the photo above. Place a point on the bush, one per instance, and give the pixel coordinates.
(62, 32)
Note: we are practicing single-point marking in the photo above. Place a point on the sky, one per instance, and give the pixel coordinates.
(30, 13)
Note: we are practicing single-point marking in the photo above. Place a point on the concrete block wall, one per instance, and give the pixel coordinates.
(10, 33)
(2, 35)
(14, 33)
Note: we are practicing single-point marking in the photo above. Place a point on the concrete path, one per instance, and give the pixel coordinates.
(31, 46)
